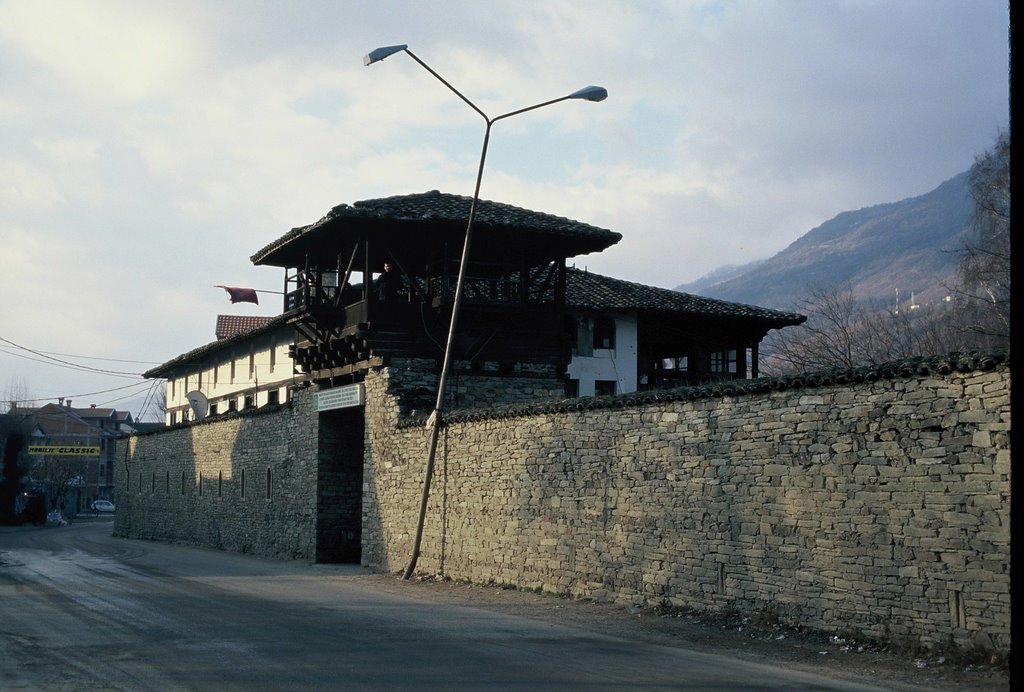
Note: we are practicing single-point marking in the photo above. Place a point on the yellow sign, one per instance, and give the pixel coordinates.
(57, 450)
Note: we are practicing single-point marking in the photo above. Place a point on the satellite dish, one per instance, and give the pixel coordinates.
(199, 403)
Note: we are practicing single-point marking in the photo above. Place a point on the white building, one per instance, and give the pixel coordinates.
(248, 366)
(610, 365)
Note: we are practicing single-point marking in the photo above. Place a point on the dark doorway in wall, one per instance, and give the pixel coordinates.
(340, 486)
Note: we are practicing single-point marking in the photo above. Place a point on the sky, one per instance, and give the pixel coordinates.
(149, 148)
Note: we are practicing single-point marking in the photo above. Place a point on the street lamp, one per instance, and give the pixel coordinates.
(590, 93)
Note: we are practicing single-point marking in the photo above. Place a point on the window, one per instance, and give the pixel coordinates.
(233, 405)
(213, 409)
(182, 482)
(604, 387)
(252, 364)
(584, 337)
(250, 401)
(681, 363)
(273, 357)
(270, 484)
(724, 362)
(200, 484)
(274, 396)
(242, 483)
(220, 484)
(174, 418)
(216, 374)
(167, 482)
(604, 332)
(232, 371)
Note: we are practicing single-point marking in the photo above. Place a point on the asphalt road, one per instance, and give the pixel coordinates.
(82, 610)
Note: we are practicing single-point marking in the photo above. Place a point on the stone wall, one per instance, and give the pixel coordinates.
(412, 383)
(876, 504)
(207, 483)
(246, 483)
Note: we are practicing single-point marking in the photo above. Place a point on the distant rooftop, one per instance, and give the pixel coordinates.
(229, 325)
(57, 419)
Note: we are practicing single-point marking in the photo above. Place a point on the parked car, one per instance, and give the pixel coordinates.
(103, 506)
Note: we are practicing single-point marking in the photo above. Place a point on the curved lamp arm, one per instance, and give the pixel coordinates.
(589, 93)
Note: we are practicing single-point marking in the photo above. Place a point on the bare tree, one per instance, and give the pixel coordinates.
(840, 331)
(843, 332)
(15, 394)
(57, 475)
(160, 400)
(14, 435)
(985, 266)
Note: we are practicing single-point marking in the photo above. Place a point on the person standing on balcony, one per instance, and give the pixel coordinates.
(390, 285)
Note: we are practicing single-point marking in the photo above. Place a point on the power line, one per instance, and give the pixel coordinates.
(66, 367)
(151, 397)
(79, 396)
(64, 363)
(111, 360)
(126, 396)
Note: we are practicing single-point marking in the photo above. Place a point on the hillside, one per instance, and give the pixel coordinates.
(909, 245)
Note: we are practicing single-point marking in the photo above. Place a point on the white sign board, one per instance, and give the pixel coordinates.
(339, 397)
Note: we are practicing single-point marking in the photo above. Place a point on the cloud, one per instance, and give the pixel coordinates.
(150, 148)
(26, 186)
(64, 151)
(103, 49)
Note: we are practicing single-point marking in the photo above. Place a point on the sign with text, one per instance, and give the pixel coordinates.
(339, 397)
(57, 450)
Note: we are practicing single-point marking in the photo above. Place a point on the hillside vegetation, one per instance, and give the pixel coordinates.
(911, 246)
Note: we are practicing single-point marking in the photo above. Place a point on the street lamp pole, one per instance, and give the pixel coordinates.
(590, 93)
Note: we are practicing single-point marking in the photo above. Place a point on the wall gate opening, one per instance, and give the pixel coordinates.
(340, 485)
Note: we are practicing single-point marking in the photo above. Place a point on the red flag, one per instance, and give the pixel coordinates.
(240, 295)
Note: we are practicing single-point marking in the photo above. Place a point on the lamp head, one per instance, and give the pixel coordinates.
(378, 54)
(590, 93)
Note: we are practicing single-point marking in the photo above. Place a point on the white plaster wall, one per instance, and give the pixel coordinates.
(217, 383)
(617, 363)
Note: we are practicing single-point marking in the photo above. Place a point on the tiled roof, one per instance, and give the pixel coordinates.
(95, 412)
(53, 426)
(55, 420)
(442, 208)
(584, 290)
(229, 325)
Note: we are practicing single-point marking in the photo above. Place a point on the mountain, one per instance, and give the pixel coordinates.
(909, 246)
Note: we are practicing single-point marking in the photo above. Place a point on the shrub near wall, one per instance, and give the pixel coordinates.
(207, 483)
(879, 506)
